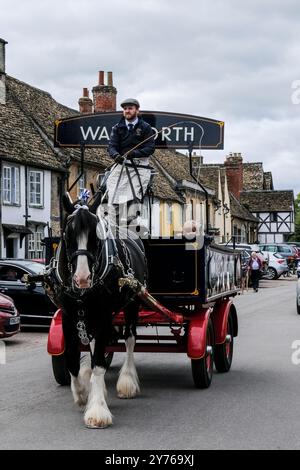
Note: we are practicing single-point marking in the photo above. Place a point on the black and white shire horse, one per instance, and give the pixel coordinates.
(92, 262)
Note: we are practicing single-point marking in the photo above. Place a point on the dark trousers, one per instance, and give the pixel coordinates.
(255, 275)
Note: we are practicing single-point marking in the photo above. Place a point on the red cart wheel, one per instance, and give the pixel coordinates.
(60, 371)
(202, 369)
(223, 353)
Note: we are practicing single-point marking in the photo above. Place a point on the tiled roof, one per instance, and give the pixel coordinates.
(44, 110)
(20, 141)
(209, 176)
(26, 134)
(239, 211)
(268, 201)
(177, 166)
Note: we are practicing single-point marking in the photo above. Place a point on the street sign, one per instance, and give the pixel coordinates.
(172, 130)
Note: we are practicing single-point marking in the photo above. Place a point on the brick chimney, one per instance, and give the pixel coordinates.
(85, 103)
(104, 95)
(234, 172)
(2, 72)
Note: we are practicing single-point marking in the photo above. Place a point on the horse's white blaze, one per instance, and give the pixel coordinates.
(128, 383)
(82, 273)
(97, 414)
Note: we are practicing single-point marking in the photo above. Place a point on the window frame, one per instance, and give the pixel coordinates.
(41, 182)
(34, 242)
(15, 185)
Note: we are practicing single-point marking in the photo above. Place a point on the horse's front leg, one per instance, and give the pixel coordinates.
(128, 383)
(97, 414)
(80, 376)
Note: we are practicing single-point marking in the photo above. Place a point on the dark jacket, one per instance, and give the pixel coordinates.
(121, 140)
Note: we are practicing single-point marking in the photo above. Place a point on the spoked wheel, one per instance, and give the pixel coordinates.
(202, 369)
(224, 352)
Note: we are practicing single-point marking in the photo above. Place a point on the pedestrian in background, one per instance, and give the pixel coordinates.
(255, 266)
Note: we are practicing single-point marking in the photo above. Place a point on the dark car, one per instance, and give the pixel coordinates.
(34, 306)
(9, 317)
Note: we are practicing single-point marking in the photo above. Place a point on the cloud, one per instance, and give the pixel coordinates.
(231, 60)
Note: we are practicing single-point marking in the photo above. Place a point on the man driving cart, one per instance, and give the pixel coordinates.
(131, 144)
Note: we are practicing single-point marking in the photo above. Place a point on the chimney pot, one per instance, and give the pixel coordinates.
(2, 55)
(101, 77)
(85, 93)
(2, 72)
(109, 78)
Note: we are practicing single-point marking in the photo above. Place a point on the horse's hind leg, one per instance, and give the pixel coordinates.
(128, 383)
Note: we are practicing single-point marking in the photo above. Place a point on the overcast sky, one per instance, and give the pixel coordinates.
(229, 60)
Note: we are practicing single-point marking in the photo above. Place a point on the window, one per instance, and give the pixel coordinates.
(169, 210)
(35, 247)
(11, 185)
(81, 184)
(284, 249)
(11, 273)
(192, 209)
(36, 188)
(273, 216)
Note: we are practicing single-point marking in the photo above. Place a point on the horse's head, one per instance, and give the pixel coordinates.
(82, 244)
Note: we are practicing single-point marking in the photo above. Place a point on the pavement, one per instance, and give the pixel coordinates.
(255, 406)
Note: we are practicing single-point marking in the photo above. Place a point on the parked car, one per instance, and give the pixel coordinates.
(34, 306)
(286, 251)
(277, 266)
(296, 246)
(9, 317)
(283, 249)
(298, 296)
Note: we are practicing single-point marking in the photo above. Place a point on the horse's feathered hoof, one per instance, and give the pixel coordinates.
(127, 386)
(97, 418)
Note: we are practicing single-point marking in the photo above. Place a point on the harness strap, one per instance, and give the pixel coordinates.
(81, 252)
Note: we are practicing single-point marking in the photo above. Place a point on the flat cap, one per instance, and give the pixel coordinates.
(130, 101)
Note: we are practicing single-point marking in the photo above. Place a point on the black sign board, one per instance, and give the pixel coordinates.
(173, 130)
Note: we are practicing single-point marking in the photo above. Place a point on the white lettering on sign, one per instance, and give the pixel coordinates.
(165, 132)
(103, 134)
(189, 134)
(176, 133)
(156, 132)
(89, 132)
